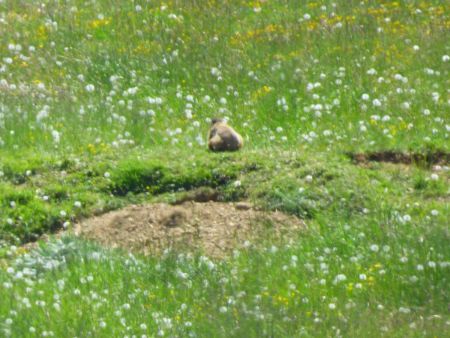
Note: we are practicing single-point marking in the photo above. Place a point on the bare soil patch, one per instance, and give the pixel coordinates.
(428, 158)
(214, 227)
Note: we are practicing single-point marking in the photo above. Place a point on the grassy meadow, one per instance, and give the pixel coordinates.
(107, 103)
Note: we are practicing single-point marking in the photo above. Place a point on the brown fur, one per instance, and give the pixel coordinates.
(222, 137)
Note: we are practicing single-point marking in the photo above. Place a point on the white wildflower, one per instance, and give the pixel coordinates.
(374, 248)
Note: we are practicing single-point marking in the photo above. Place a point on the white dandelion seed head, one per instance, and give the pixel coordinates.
(406, 218)
(404, 310)
(339, 278)
(56, 136)
(376, 103)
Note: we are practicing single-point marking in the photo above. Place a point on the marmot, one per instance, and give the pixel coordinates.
(222, 137)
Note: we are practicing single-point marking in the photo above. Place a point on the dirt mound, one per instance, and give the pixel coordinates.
(214, 227)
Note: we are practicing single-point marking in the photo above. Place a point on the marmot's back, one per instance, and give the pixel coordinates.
(224, 138)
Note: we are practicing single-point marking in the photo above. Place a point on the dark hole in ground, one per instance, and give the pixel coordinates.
(205, 194)
(200, 195)
(426, 158)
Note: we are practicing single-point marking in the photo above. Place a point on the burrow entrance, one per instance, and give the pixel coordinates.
(425, 159)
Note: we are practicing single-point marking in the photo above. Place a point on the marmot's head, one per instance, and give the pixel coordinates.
(215, 120)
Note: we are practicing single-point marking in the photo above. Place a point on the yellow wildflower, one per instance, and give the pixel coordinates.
(99, 23)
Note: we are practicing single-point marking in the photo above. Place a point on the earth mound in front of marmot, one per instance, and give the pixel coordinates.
(213, 227)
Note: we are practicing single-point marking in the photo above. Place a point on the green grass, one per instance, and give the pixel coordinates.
(105, 103)
(378, 226)
(374, 279)
(274, 69)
